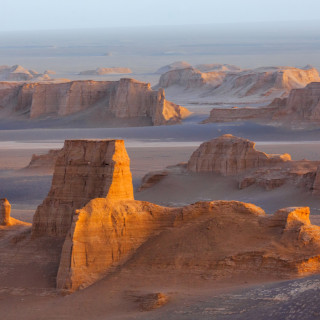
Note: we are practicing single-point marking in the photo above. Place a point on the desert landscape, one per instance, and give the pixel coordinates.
(160, 172)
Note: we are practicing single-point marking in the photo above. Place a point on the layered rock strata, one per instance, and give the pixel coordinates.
(229, 236)
(84, 169)
(230, 155)
(263, 84)
(233, 156)
(124, 99)
(91, 206)
(302, 107)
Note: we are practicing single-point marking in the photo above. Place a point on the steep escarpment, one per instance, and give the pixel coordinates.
(124, 99)
(84, 169)
(230, 85)
(302, 107)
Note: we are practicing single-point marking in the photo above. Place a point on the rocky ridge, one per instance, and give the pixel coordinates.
(301, 107)
(232, 85)
(124, 99)
(18, 73)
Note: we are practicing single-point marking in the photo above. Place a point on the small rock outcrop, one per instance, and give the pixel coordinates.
(84, 170)
(124, 99)
(5, 210)
(102, 71)
(230, 155)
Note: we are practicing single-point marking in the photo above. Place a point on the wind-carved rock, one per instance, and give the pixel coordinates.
(85, 169)
(5, 209)
(230, 155)
(301, 107)
(234, 156)
(107, 100)
(91, 206)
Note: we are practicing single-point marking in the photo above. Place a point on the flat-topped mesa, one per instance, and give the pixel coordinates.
(107, 100)
(230, 155)
(5, 209)
(84, 170)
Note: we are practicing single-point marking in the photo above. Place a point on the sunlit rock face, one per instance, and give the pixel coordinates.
(5, 209)
(85, 169)
(124, 99)
(230, 155)
(219, 239)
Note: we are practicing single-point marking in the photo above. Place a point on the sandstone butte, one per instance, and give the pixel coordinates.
(262, 83)
(124, 99)
(302, 107)
(91, 208)
(228, 155)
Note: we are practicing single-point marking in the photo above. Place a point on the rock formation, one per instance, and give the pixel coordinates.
(43, 162)
(229, 236)
(91, 208)
(124, 99)
(102, 71)
(233, 156)
(232, 85)
(5, 209)
(84, 169)
(302, 107)
(230, 155)
(18, 73)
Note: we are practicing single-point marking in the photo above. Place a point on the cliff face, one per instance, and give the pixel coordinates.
(91, 207)
(124, 99)
(230, 155)
(302, 106)
(250, 85)
(85, 169)
(229, 236)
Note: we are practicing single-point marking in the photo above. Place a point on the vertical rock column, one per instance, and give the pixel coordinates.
(84, 170)
(5, 209)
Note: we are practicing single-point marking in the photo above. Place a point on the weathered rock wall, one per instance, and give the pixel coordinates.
(230, 155)
(84, 170)
(124, 99)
